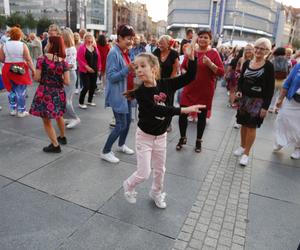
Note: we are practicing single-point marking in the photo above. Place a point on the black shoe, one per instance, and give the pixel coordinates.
(52, 149)
(182, 141)
(62, 140)
(198, 145)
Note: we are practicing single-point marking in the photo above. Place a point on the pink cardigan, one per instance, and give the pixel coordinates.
(82, 61)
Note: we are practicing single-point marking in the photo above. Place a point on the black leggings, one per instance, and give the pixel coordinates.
(183, 122)
(89, 85)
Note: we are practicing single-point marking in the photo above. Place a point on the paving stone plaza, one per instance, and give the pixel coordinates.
(74, 200)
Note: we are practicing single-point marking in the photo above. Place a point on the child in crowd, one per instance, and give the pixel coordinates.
(155, 115)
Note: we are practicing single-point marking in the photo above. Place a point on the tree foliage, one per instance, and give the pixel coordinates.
(296, 43)
(15, 19)
(30, 22)
(2, 22)
(43, 24)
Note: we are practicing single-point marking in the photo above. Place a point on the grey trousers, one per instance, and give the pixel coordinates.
(70, 90)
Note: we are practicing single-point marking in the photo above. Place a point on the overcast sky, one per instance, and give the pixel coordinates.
(158, 9)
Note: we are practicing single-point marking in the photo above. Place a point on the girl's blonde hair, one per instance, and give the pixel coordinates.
(152, 60)
(89, 35)
(68, 37)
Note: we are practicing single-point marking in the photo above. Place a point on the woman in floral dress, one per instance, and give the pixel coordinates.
(49, 101)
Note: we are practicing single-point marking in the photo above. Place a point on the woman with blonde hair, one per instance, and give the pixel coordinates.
(255, 90)
(89, 63)
(71, 54)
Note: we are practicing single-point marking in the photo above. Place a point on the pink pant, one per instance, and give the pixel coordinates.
(149, 149)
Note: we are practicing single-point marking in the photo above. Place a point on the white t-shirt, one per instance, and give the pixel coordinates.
(71, 55)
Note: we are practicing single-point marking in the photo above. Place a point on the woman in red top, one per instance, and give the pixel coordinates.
(202, 89)
(103, 48)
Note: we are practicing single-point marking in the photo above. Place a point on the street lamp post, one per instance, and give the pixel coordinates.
(68, 13)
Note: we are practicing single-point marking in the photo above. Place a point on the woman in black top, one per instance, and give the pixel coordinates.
(155, 114)
(255, 90)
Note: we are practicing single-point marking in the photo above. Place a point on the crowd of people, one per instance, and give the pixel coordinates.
(259, 78)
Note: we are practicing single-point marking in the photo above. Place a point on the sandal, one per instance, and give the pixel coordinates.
(198, 145)
(182, 141)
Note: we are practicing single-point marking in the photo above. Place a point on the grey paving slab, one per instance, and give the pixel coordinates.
(188, 163)
(273, 224)
(105, 233)
(21, 155)
(81, 178)
(276, 180)
(4, 181)
(181, 195)
(263, 150)
(31, 219)
(266, 131)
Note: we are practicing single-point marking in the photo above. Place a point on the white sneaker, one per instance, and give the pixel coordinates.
(76, 91)
(237, 126)
(67, 121)
(73, 123)
(82, 106)
(244, 160)
(126, 150)
(22, 114)
(110, 157)
(91, 104)
(276, 147)
(296, 154)
(13, 112)
(0, 107)
(239, 151)
(130, 196)
(159, 199)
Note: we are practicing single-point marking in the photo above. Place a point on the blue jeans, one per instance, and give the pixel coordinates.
(120, 131)
(17, 97)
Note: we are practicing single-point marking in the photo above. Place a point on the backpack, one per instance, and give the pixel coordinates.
(281, 67)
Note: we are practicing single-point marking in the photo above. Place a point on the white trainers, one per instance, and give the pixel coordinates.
(276, 147)
(159, 199)
(239, 151)
(22, 114)
(126, 150)
(244, 160)
(82, 106)
(110, 157)
(91, 104)
(13, 112)
(76, 91)
(73, 123)
(296, 154)
(237, 126)
(130, 196)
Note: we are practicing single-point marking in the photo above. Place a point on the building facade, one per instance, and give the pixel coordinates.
(229, 19)
(91, 14)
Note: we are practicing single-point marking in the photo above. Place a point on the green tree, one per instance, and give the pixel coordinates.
(43, 24)
(296, 43)
(30, 22)
(15, 19)
(2, 22)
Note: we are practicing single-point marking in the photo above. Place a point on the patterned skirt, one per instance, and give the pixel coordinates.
(248, 113)
(48, 102)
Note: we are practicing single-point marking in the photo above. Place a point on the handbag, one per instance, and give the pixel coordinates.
(19, 70)
(297, 98)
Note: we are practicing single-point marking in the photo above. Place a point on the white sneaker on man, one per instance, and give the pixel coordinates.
(73, 123)
(159, 199)
(126, 150)
(13, 112)
(130, 196)
(82, 106)
(110, 157)
(239, 151)
(237, 126)
(22, 114)
(296, 154)
(244, 160)
(91, 104)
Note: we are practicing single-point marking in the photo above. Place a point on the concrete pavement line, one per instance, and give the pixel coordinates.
(273, 198)
(218, 218)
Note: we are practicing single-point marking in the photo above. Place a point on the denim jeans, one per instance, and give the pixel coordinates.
(16, 97)
(120, 131)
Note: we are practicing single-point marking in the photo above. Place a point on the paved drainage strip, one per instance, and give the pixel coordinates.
(218, 218)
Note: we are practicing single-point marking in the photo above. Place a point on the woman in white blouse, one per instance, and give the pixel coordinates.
(71, 54)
